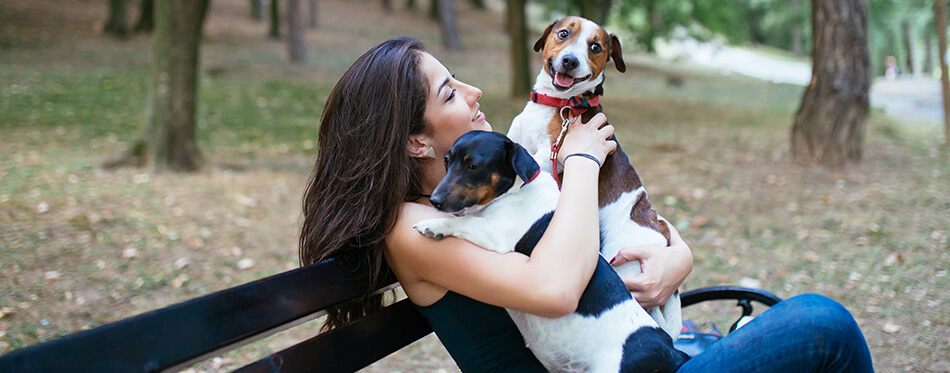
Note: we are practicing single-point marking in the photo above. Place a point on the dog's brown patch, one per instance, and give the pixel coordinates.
(643, 214)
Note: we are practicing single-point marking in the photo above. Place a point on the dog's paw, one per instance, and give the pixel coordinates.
(430, 228)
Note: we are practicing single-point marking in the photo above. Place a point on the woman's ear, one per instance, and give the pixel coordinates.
(419, 147)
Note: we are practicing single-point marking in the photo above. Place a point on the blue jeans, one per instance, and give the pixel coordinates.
(806, 333)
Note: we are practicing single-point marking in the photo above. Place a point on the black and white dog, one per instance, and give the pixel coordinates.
(506, 202)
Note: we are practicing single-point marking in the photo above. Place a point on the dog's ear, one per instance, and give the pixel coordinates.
(538, 45)
(616, 53)
(524, 164)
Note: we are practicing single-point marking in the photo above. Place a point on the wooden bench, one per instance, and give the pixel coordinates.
(177, 336)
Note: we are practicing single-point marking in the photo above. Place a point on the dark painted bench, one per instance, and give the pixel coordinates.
(177, 336)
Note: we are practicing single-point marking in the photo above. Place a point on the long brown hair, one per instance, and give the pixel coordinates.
(363, 170)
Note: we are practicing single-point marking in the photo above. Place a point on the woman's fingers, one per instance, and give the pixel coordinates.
(628, 254)
(597, 120)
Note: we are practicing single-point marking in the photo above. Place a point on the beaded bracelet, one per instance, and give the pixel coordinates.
(585, 155)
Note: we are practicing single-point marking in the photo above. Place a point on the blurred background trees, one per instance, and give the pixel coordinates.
(895, 39)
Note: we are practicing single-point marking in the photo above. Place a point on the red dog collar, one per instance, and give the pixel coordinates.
(578, 104)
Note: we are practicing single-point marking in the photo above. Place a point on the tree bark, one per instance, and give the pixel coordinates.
(146, 21)
(518, 31)
(314, 14)
(907, 29)
(170, 138)
(940, 14)
(829, 126)
(450, 31)
(257, 10)
(274, 19)
(118, 24)
(296, 47)
(928, 68)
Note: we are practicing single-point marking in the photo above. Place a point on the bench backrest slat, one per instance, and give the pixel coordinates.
(186, 332)
(350, 347)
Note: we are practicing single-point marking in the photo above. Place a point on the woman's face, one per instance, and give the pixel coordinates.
(452, 107)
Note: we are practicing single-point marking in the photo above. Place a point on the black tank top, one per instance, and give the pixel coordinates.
(480, 337)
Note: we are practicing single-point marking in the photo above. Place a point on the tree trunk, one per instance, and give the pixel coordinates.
(295, 33)
(118, 24)
(907, 29)
(928, 54)
(797, 43)
(450, 30)
(314, 14)
(434, 9)
(940, 14)
(829, 125)
(595, 10)
(170, 125)
(520, 73)
(654, 29)
(274, 19)
(755, 27)
(146, 17)
(257, 10)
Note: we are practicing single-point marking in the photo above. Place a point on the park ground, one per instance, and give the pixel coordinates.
(81, 246)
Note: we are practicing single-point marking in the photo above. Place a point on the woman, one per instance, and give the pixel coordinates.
(384, 130)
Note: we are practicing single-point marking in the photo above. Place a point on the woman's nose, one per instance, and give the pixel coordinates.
(474, 95)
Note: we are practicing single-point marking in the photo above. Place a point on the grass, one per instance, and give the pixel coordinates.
(80, 246)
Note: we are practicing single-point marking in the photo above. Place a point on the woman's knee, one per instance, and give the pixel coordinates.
(824, 316)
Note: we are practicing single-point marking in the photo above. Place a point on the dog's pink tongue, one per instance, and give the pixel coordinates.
(563, 80)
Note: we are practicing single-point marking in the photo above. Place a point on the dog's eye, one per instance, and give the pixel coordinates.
(595, 48)
(472, 166)
(563, 34)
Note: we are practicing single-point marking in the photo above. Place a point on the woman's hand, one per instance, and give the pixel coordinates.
(587, 138)
(664, 269)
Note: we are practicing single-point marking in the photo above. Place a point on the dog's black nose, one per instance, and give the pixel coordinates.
(436, 202)
(569, 62)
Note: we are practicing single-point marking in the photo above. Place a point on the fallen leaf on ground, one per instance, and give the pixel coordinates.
(180, 280)
(891, 328)
(750, 283)
(245, 263)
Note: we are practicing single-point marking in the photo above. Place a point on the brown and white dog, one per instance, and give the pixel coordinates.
(576, 52)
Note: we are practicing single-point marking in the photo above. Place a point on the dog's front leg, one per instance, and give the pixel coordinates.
(474, 229)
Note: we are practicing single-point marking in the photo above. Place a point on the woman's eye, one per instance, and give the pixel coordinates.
(562, 34)
(595, 48)
(451, 96)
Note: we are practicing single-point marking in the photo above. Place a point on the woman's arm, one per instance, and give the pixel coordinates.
(550, 281)
(663, 269)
